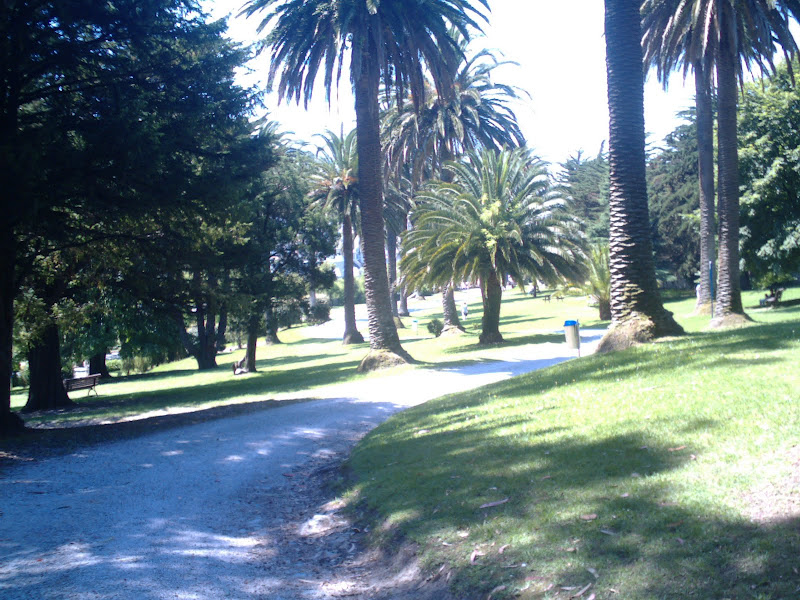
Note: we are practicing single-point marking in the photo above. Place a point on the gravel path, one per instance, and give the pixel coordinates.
(229, 509)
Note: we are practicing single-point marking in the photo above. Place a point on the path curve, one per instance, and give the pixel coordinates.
(181, 514)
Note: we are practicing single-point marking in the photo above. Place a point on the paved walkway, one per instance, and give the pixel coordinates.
(180, 514)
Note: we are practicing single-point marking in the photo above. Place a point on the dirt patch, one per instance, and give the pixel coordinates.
(324, 551)
(778, 501)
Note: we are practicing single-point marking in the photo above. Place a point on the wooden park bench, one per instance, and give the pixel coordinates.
(83, 383)
(546, 298)
(559, 298)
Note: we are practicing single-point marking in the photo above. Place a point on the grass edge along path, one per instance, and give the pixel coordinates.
(304, 362)
(668, 471)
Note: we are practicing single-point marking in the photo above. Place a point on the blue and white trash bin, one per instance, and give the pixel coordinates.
(572, 333)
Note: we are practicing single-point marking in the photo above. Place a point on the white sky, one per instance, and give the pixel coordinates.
(561, 54)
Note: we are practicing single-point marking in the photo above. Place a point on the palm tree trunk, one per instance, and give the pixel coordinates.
(351, 333)
(729, 308)
(402, 310)
(391, 251)
(705, 166)
(491, 294)
(636, 307)
(450, 310)
(382, 331)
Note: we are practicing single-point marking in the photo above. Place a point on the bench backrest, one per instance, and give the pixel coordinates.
(81, 383)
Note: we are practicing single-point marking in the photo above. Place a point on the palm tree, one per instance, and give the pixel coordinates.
(336, 187)
(476, 115)
(667, 55)
(636, 308)
(390, 40)
(730, 37)
(498, 218)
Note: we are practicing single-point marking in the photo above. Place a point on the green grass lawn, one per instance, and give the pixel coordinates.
(668, 471)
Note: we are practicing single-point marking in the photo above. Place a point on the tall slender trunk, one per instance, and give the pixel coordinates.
(491, 295)
(351, 333)
(9, 422)
(391, 255)
(253, 325)
(705, 167)
(382, 330)
(729, 295)
(222, 327)
(402, 310)
(449, 308)
(391, 251)
(205, 350)
(634, 291)
(46, 391)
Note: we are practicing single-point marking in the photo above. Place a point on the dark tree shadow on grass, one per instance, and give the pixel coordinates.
(580, 508)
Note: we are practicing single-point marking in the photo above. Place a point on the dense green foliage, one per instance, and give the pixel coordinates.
(769, 150)
(585, 182)
(674, 207)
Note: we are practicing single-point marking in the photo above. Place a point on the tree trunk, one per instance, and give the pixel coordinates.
(382, 331)
(450, 310)
(351, 333)
(222, 328)
(10, 423)
(604, 307)
(205, 351)
(391, 253)
(46, 391)
(97, 364)
(729, 296)
(402, 310)
(253, 325)
(312, 297)
(271, 336)
(705, 167)
(634, 292)
(491, 294)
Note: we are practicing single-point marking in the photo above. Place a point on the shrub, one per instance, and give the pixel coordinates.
(319, 313)
(136, 364)
(336, 293)
(435, 327)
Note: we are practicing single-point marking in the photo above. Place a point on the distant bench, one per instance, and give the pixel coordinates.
(773, 299)
(83, 383)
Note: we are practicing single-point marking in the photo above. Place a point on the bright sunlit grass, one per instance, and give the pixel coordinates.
(304, 362)
(668, 471)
